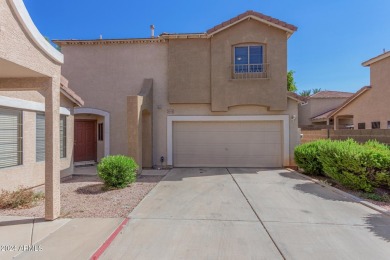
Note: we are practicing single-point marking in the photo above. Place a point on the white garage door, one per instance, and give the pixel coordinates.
(227, 144)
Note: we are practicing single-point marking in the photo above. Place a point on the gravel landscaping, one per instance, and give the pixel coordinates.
(84, 197)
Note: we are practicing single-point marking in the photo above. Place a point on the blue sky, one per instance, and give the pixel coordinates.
(333, 37)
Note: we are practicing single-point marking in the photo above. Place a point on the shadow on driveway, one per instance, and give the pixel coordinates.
(379, 224)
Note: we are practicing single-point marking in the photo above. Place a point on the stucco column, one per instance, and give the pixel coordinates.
(52, 156)
(335, 123)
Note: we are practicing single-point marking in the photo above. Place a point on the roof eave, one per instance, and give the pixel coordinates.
(376, 59)
(289, 32)
(347, 102)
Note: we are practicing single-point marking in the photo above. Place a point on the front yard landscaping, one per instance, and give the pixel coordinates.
(360, 169)
(87, 197)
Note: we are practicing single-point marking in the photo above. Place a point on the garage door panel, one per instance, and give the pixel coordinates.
(229, 149)
(227, 144)
(241, 126)
(204, 161)
(233, 137)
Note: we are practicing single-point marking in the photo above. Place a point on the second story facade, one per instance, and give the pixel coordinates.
(242, 61)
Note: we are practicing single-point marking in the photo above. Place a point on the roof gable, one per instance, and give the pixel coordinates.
(289, 28)
(350, 100)
(376, 59)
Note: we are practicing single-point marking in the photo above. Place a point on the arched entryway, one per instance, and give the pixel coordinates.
(92, 134)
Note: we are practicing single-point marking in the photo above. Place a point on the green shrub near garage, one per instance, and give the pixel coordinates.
(117, 171)
(345, 162)
(356, 166)
(307, 157)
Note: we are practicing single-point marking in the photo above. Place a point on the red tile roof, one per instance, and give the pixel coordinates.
(331, 94)
(296, 96)
(258, 15)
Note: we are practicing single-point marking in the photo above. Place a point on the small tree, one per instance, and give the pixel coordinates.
(305, 93)
(291, 85)
(316, 90)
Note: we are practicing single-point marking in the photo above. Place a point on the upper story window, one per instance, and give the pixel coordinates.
(249, 62)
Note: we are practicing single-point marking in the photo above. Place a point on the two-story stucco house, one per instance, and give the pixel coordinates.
(212, 99)
(315, 109)
(36, 109)
(369, 107)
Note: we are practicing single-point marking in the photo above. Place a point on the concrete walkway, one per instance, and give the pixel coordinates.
(236, 213)
(32, 238)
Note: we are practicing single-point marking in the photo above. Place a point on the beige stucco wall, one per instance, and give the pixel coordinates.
(189, 71)
(104, 75)
(315, 107)
(199, 68)
(271, 92)
(373, 105)
(32, 173)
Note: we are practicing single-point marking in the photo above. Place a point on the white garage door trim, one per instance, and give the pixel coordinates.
(283, 118)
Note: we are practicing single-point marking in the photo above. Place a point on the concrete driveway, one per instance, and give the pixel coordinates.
(238, 213)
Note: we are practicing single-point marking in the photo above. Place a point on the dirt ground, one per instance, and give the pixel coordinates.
(83, 197)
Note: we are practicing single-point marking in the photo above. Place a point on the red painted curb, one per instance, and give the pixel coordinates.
(109, 240)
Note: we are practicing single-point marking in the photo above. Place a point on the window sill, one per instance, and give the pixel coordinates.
(250, 79)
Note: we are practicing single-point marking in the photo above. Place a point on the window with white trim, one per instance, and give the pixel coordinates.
(40, 137)
(11, 137)
(249, 61)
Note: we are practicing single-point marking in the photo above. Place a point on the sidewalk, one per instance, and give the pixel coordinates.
(35, 238)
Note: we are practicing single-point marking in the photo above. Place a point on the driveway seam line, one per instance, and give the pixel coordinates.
(258, 217)
(32, 232)
(197, 219)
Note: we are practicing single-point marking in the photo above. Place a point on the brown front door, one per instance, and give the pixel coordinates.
(85, 140)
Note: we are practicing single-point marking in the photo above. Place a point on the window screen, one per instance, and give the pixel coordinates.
(10, 137)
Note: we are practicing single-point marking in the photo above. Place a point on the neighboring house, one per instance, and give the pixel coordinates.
(214, 99)
(369, 107)
(316, 108)
(36, 109)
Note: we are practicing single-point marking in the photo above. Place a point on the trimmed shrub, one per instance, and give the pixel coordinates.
(356, 166)
(378, 164)
(307, 157)
(345, 162)
(117, 171)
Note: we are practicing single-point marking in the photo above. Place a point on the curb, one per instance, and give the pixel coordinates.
(345, 194)
(109, 240)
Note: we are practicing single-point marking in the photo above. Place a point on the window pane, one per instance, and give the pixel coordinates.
(40, 138)
(376, 125)
(256, 54)
(10, 137)
(63, 137)
(361, 125)
(241, 55)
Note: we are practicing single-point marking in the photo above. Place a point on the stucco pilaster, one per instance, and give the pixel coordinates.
(52, 156)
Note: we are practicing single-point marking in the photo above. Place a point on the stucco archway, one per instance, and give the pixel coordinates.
(106, 126)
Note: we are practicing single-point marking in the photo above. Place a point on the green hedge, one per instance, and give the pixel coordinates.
(117, 171)
(307, 157)
(356, 166)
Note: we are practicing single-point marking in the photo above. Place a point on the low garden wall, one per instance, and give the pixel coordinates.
(361, 135)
